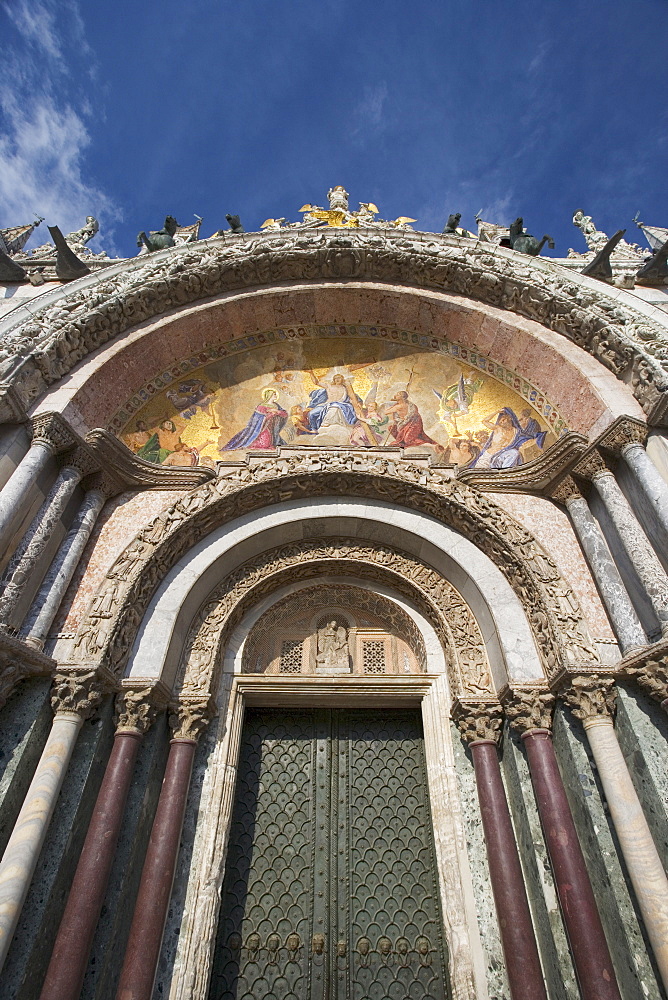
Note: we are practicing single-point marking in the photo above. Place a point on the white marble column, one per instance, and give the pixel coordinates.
(25, 560)
(50, 436)
(639, 550)
(648, 476)
(592, 700)
(48, 600)
(625, 621)
(73, 700)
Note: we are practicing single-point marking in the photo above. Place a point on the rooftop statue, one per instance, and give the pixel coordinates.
(80, 237)
(235, 224)
(524, 242)
(161, 238)
(338, 214)
(596, 240)
(452, 227)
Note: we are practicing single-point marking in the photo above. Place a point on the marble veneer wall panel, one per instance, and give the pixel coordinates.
(497, 983)
(25, 722)
(546, 915)
(642, 730)
(25, 968)
(552, 528)
(629, 946)
(119, 522)
(111, 935)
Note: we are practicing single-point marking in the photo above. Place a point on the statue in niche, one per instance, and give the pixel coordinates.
(333, 655)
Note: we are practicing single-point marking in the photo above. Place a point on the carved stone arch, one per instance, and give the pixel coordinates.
(113, 619)
(624, 333)
(439, 602)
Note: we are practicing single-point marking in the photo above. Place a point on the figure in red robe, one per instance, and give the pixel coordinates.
(406, 427)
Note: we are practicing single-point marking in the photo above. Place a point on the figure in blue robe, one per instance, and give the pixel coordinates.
(263, 430)
(325, 398)
(509, 455)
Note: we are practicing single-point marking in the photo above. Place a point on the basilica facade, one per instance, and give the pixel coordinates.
(334, 616)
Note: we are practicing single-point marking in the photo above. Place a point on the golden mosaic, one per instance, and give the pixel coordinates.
(325, 392)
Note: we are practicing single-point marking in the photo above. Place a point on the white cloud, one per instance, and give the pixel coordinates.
(45, 133)
(368, 113)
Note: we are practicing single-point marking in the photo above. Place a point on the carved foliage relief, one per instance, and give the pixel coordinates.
(38, 350)
(115, 614)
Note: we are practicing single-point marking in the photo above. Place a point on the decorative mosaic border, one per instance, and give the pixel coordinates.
(315, 332)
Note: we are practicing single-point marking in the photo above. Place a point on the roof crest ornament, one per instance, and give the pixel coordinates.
(338, 215)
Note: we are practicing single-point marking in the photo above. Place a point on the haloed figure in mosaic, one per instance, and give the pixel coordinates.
(263, 430)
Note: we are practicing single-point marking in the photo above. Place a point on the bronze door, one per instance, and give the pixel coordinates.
(330, 889)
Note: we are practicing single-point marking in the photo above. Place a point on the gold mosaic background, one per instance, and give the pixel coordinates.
(326, 393)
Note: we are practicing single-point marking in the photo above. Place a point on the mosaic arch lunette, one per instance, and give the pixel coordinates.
(445, 609)
(339, 386)
(624, 334)
(107, 633)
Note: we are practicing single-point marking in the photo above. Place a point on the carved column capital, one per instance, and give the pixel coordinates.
(136, 709)
(50, 429)
(590, 696)
(84, 461)
(565, 490)
(528, 708)
(78, 692)
(592, 465)
(478, 720)
(189, 717)
(623, 432)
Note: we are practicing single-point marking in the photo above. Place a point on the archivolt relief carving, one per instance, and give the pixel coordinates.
(40, 348)
(442, 605)
(106, 635)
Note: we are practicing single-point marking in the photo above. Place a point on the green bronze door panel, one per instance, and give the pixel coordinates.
(330, 890)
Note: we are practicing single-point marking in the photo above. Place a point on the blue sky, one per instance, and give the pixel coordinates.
(132, 110)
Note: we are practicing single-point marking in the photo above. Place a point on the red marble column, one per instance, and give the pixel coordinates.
(148, 922)
(591, 955)
(523, 968)
(64, 977)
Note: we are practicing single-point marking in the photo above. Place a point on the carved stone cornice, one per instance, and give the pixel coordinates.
(53, 431)
(19, 660)
(621, 433)
(648, 668)
(590, 696)
(566, 489)
(12, 410)
(78, 692)
(136, 708)
(133, 473)
(478, 720)
(189, 717)
(43, 344)
(108, 631)
(592, 465)
(536, 476)
(528, 707)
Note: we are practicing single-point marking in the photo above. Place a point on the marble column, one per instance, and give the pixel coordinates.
(25, 560)
(67, 968)
(530, 714)
(148, 922)
(51, 436)
(592, 700)
(643, 557)
(45, 606)
(481, 727)
(623, 617)
(626, 437)
(74, 698)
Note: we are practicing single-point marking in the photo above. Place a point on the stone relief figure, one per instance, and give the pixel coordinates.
(333, 648)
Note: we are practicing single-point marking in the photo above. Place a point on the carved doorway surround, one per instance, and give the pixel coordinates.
(429, 693)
